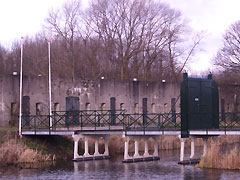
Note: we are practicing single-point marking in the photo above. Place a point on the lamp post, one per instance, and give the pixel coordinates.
(49, 83)
(20, 90)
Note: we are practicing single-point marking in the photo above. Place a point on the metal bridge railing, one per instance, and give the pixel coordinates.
(105, 118)
(229, 120)
(66, 120)
(151, 121)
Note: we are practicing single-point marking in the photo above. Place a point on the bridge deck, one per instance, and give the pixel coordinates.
(120, 130)
(105, 122)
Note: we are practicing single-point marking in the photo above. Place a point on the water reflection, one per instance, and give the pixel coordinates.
(167, 168)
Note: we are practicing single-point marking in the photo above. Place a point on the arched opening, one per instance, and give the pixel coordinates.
(87, 106)
(165, 106)
(122, 106)
(103, 107)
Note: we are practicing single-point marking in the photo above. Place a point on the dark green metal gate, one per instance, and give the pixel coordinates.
(199, 104)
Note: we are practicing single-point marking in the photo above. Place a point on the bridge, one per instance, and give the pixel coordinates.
(94, 124)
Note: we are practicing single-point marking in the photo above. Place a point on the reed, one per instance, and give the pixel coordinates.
(14, 152)
(215, 159)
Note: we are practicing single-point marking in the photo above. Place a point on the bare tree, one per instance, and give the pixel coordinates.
(137, 34)
(131, 30)
(65, 23)
(3, 60)
(120, 39)
(228, 57)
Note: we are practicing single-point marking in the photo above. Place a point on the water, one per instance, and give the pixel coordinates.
(167, 168)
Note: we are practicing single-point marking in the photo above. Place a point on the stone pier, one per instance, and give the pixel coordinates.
(192, 158)
(86, 156)
(137, 157)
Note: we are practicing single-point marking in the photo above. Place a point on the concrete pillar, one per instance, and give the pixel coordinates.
(146, 154)
(205, 139)
(126, 143)
(96, 153)
(136, 143)
(76, 139)
(182, 148)
(192, 148)
(86, 153)
(106, 153)
(155, 152)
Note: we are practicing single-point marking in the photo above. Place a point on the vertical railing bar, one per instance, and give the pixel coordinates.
(35, 128)
(95, 120)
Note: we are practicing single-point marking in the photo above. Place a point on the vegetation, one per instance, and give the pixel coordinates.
(15, 151)
(215, 159)
(117, 39)
(227, 59)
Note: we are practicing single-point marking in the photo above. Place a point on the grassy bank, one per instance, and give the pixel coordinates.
(216, 159)
(31, 149)
(15, 151)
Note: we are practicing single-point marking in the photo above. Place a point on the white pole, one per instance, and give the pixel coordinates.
(20, 90)
(49, 81)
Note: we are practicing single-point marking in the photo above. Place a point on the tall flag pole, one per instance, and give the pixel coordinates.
(49, 82)
(20, 90)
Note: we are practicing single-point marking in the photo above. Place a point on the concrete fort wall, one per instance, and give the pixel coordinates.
(93, 95)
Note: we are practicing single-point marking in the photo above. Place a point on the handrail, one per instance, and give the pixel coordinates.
(105, 118)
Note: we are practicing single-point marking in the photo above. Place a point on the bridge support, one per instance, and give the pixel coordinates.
(192, 159)
(182, 140)
(137, 157)
(205, 146)
(192, 155)
(86, 156)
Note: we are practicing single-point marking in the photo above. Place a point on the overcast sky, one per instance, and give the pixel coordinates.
(213, 16)
(25, 17)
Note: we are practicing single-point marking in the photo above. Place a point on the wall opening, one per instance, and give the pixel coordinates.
(87, 106)
(153, 107)
(122, 106)
(38, 108)
(56, 107)
(136, 108)
(103, 107)
(14, 114)
(165, 106)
